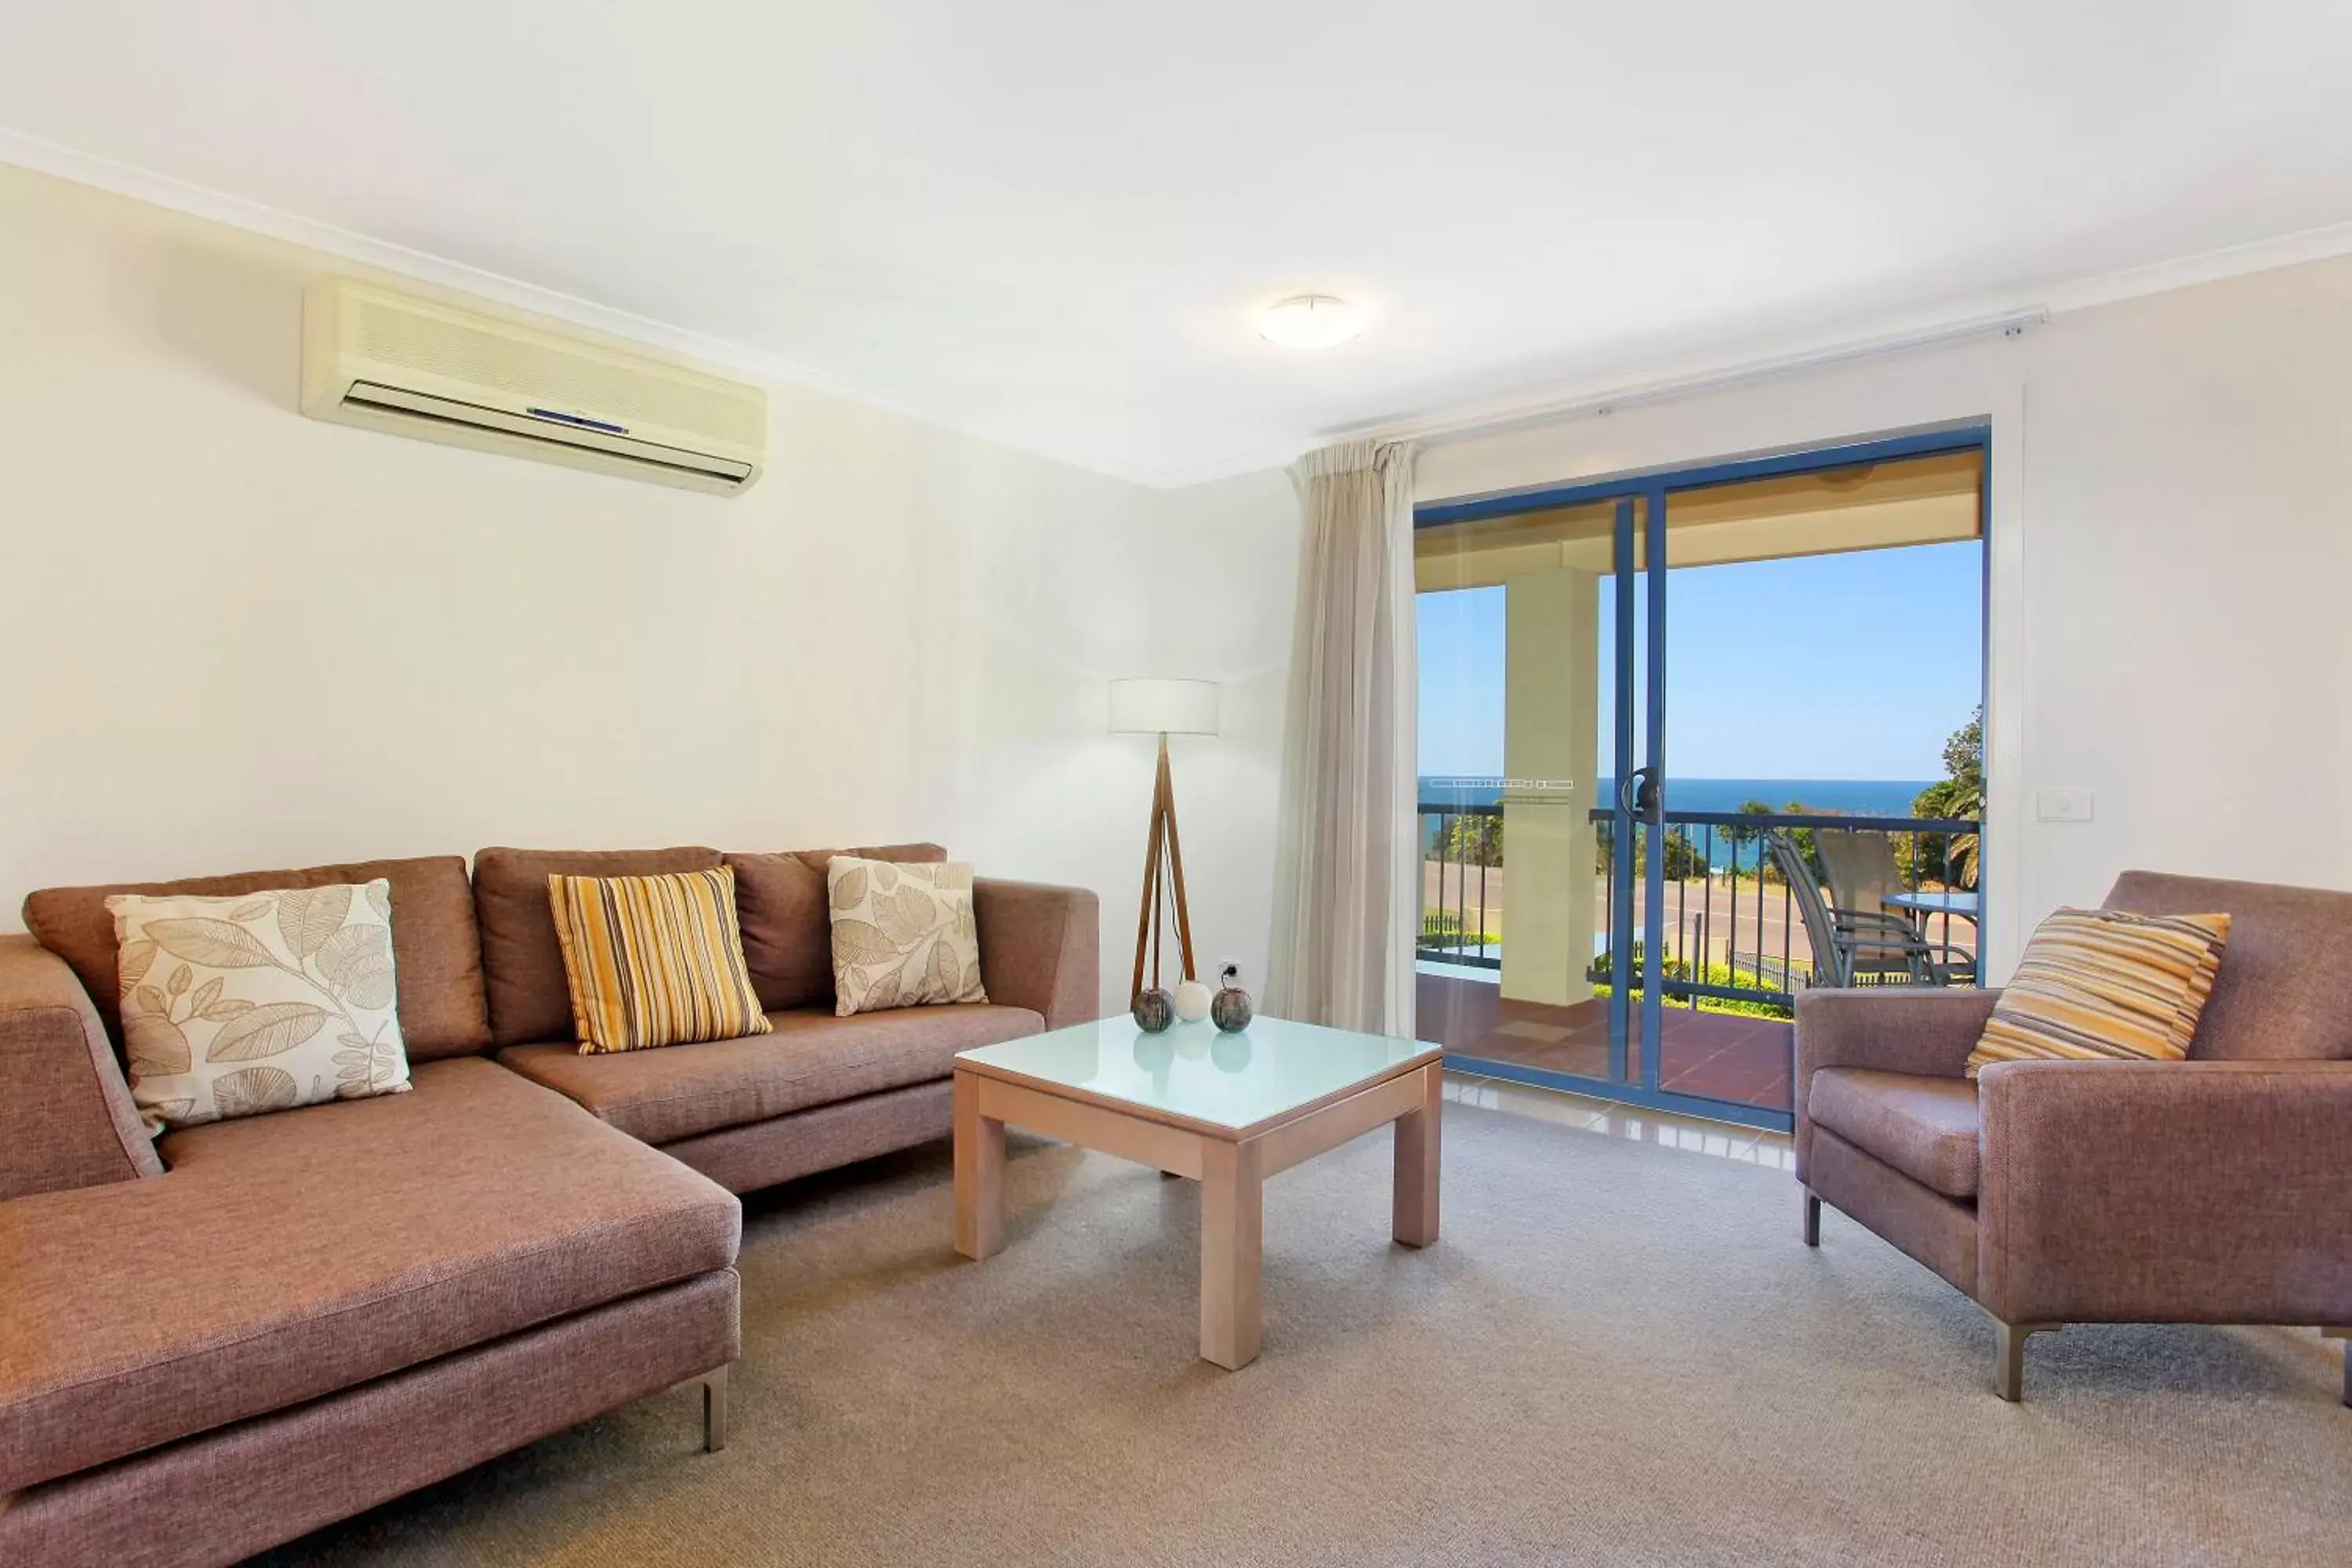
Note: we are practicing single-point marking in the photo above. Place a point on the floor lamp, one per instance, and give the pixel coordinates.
(1162, 707)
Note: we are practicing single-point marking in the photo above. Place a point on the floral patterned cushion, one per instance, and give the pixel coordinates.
(234, 1006)
(902, 935)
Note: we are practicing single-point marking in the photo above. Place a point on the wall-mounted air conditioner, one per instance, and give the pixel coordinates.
(418, 367)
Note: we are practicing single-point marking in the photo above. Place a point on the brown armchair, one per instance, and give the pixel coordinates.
(2217, 1190)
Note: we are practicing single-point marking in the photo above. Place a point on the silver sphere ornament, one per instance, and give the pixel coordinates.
(1152, 1010)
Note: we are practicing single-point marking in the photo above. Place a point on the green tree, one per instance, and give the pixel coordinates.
(1740, 838)
(1801, 839)
(1473, 840)
(1964, 753)
(1683, 862)
(1683, 859)
(1959, 795)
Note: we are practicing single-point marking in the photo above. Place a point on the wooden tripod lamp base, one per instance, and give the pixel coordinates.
(1163, 873)
(1162, 707)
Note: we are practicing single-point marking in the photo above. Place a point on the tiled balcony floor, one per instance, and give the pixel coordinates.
(1716, 1055)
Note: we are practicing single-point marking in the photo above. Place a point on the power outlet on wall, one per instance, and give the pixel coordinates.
(1232, 963)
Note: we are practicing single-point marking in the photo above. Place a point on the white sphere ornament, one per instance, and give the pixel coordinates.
(1191, 1001)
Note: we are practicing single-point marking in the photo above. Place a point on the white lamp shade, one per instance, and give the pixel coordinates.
(1163, 707)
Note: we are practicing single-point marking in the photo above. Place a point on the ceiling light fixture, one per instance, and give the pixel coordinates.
(1310, 321)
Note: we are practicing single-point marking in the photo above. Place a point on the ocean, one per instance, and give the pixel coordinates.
(1845, 797)
(1851, 798)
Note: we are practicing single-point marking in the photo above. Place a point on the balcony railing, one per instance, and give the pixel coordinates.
(1459, 918)
(1733, 929)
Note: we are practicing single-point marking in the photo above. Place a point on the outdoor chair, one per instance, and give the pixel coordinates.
(2214, 1190)
(1862, 947)
(1862, 875)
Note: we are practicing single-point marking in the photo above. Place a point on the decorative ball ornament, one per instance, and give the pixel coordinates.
(1191, 1001)
(1230, 1008)
(1152, 1010)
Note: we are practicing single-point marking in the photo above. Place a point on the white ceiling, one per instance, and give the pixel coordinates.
(1050, 221)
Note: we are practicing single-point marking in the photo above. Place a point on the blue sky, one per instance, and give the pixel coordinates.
(1848, 666)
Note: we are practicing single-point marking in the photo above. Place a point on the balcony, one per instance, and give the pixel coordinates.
(1736, 945)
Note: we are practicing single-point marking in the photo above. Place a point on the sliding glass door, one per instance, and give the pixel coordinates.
(1636, 797)
(1608, 915)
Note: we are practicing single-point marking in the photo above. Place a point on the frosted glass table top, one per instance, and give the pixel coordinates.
(1194, 1073)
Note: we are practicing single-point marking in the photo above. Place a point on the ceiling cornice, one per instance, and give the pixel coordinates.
(1909, 333)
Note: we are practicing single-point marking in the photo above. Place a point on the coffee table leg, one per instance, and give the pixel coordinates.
(1417, 1164)
(979, 1174)
(1232, 1227)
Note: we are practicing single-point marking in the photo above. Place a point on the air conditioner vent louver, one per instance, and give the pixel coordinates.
(421, 368)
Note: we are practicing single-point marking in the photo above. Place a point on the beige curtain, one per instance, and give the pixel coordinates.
(1346, 899)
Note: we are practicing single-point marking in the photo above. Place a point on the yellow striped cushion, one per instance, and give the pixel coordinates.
(2105, 982)
(653, 961)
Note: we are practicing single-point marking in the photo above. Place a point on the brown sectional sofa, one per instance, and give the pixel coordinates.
(357, 1298)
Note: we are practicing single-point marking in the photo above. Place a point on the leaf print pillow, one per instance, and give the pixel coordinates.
(262, 1002)
(903, 934)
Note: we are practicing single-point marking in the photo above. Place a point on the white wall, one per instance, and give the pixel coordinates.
(2188, 490)
(2169, 555)
(246, 638)
(1228, 563)
(1057, 604)
(243, 637)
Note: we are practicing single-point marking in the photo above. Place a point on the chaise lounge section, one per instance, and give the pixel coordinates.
(222, 1339)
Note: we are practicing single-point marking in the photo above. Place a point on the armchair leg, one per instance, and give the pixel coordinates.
(714, 1411)
(2008, 1356)
(2344, 1334)
(1812, 1219)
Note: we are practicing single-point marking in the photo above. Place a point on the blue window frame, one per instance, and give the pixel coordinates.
(1651, 491)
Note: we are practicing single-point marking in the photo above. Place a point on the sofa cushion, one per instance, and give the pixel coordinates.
(2273, 998)
(813, 1059)
(68, 1111)
(1925, 1128)
(285, 1256)
(434, 949)
(787, 939)
(522, 963)
(817, 860)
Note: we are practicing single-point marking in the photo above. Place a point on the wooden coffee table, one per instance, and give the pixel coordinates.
(1227, 1111)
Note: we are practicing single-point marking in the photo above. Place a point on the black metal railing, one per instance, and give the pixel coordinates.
(1460, 922)
(1733, 929)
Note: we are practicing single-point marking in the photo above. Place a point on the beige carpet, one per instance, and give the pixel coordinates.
(1619, 1353)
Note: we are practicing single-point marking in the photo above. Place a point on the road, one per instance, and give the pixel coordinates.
(1689, 905)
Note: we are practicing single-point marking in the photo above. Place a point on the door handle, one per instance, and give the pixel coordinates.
(1639, 795)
